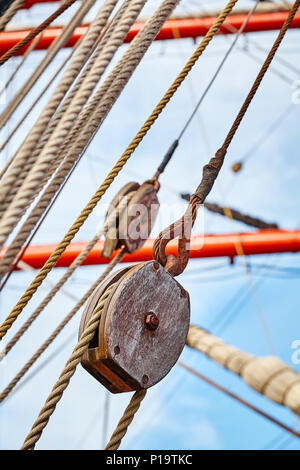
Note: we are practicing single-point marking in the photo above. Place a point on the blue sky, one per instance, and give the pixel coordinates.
(181, 412)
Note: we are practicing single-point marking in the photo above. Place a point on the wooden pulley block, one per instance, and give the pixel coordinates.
(135, 221)
(142, 330)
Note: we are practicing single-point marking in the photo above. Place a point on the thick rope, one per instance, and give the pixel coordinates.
(37, 99)
(65, 376)
(60, 327)
(112, 175)
(21, 63)
(125, 421)
(36, 31)
(110, 90)
(78, 61)
(56, 45)
(95, 51)
(58, 180)
(32, 182)
(10, 12)
(62, 130)
(267, 375)
(71, 269)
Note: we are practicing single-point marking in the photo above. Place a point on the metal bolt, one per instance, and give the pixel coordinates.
(151, 321)
(183, 293)
(145, 379)
(156, 266)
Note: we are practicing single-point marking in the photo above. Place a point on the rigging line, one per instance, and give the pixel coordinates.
(125, 421)
(239, 32)
(86, 49)
(20, 64)
(87, 124)
(72, 337)
(36, 31)
(175, 144)
(232, 276)
(233, 30)
(26, 267)
(71, 269)
(285, 443)
(278, 58)
(36, 229)
(239, 399)
(228, 307)
(66, 375)
(59, 328)
(275, 441)
(257, 305)
(10, 12)
(263, 137)
(31, 107)
(240, 252)
(113, 173)
(105, 417)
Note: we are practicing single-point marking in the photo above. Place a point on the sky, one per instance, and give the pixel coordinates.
(181, 412)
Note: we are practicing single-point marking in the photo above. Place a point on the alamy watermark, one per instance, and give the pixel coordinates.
(296, 354)
(296, 93)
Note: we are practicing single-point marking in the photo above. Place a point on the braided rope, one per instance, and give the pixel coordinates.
(65, 376)
(125, 421)
(59, 328)
(33, 180)
(71, 269)
(10, 12)
(78, 61)
(35, 32)
(112, 174)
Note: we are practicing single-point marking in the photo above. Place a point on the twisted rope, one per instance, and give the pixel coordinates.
(71, 269)
(64, 172)
(60, 327)
(261, 75)
(65, 376)
(10, 12)
(125, 421)
(36, 31)
(40, 95)
(32, 182)
(112, 174)
(110, 90)
(212, 169)
(78, 61)
(267, 375)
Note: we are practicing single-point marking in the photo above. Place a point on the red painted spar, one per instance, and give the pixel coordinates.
(30, 3)
(186, 27)
(254, 243)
